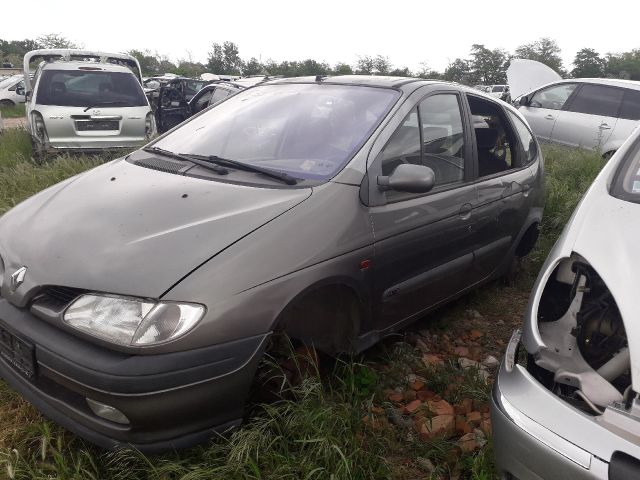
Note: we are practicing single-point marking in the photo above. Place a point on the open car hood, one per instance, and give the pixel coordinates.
(125, 229)
(524, 76)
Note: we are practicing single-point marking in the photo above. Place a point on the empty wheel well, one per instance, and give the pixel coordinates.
(327, 317)
(528, 240)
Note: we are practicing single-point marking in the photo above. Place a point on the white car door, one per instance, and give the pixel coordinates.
(544, 106)
(590, 117)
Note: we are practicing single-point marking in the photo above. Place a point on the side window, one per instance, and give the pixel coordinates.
(443, 138)
(219, 94)
(403, 146)
(203, 101)
(631, 105)
(495, 139)
(526, 138)
(597, 100)
(554, 97)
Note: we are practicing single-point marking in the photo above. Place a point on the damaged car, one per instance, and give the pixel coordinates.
(566, 402)
(139, 298)
(85, 101)
(173, 107)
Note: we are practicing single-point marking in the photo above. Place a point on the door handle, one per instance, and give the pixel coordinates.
(549, 117)
(465, 211)
(604, 126)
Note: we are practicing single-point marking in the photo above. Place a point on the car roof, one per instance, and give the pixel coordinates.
(613, 82)
(76, 65)
(363, 80)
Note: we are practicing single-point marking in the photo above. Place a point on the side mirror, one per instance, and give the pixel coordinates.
(27, 95)
(20, 91)
(409, 178)
(524, 101)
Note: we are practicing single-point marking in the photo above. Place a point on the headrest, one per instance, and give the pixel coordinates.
(486, 138)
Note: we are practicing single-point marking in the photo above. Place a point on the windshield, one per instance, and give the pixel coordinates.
(627, 179)
(81, 88)
(307, 130)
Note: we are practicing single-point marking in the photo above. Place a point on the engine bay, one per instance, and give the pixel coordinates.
(585, 358)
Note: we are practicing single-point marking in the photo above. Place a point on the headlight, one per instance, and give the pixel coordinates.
(132, 321)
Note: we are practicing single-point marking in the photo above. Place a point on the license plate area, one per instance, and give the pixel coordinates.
(18, 353)
(97, 125)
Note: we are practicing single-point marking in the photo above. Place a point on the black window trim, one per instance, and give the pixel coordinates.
(616, 189)
(469, 147)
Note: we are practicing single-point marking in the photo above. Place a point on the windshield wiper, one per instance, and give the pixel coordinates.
(283, 177)
(105, 104)
(206, 164)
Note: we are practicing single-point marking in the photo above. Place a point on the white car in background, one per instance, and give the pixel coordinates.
(12, 90)
(595, 113)
(498, 91)
(85, 101)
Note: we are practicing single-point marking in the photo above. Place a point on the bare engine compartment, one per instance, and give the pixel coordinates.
(585, 360)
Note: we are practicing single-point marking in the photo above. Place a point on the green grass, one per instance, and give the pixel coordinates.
(13, 111)
(319, 429)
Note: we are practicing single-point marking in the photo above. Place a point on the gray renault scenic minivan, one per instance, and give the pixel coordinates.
(138, 298)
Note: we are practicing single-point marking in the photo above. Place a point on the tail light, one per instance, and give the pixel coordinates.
(149, 126)
(39, 128)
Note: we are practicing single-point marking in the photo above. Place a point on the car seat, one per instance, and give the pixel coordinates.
(488, 163)
(58, 88)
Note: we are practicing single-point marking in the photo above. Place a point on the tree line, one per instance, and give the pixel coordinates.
(482, 66)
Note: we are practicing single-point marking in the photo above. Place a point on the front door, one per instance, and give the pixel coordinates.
(545, 106)
(424, 242)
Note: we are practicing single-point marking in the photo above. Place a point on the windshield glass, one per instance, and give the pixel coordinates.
(82, 88)
(307, 130)
(627, 180)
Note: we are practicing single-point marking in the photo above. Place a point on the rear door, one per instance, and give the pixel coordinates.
(545, 106)
(423, 242)
(503, 192)
(589, 117)
(628, 119)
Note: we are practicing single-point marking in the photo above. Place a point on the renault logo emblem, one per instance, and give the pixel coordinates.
(17, 278)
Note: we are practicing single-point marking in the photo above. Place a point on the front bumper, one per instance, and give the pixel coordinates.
(171, 400)
(538, 436)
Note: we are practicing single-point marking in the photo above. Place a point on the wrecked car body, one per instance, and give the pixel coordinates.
(565, 403)
(333, 210)
(84, 101)
(173, 107)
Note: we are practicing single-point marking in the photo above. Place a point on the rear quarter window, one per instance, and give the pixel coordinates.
(630, 109)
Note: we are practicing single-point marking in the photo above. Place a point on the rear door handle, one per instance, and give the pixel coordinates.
(549, 117)
(465, 211)
(605, 126)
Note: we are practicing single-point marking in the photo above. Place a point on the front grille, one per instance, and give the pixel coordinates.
(62, 295)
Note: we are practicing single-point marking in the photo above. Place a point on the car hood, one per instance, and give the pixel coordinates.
(126, 229)
(524, 76)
